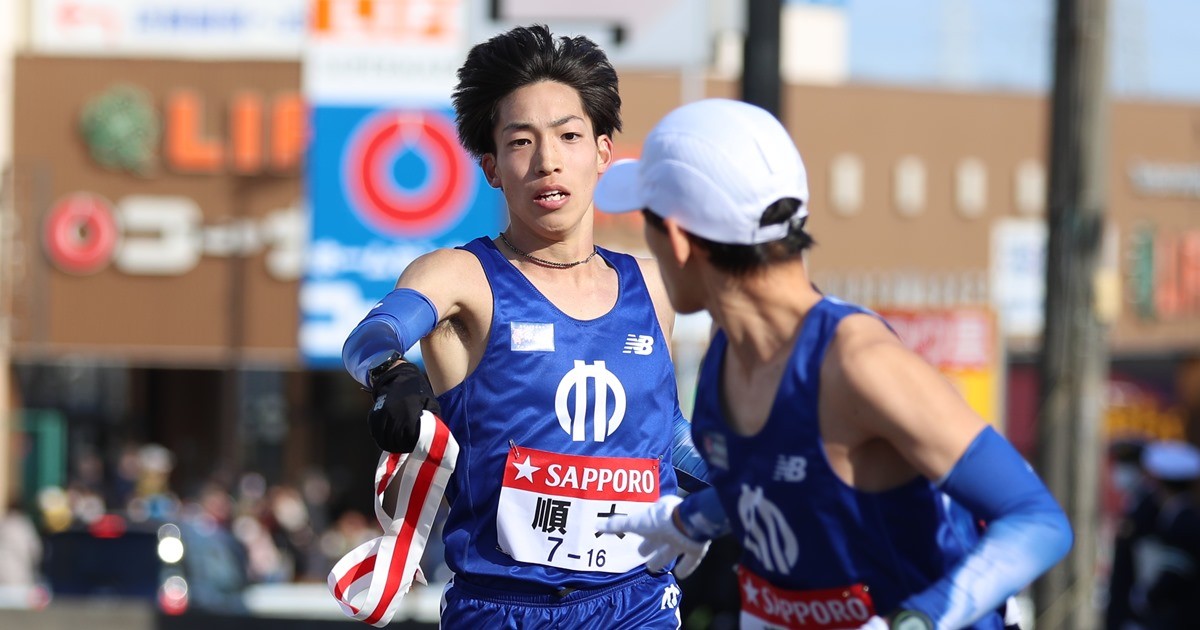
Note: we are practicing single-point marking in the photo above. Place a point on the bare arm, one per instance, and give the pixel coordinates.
(437, 301)
(888, 393)
(878, 389)
(454, 281)
(434, 274)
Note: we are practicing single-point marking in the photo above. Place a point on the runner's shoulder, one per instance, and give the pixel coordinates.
(453, 275)
(442, 265)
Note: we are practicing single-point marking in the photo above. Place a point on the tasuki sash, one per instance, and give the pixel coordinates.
(370, 581)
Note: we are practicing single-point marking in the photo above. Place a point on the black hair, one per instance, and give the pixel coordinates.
(523, 56)
(745, 259)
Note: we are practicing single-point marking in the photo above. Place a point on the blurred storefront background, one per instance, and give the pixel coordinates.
(202, 197)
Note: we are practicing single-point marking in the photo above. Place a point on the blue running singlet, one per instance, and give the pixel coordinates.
(562, 424)
(816, 552)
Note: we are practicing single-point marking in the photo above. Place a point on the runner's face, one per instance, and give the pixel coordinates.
(547, 159)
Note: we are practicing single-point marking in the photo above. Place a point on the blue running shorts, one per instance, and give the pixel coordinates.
(640, 601)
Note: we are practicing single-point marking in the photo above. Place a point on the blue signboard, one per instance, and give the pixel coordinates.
(385, 186)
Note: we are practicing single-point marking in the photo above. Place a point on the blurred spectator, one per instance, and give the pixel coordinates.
(20, 548)
(128, 470)
(155, 464)
(263, 533)
(55, 509)
(152, 498)
(1187, 390)
(215, 561)
(1167, 560)
(1139, 511)
(350, 530)
(293, 532)
(316, 489)
(89, 472)
(87, 504)
(255, 528)
(264, 562)
(252, 493)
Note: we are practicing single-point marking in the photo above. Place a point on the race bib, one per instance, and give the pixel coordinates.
(551, 504)
(765, 606)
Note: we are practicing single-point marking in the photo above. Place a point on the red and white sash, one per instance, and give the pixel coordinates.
(384, 568)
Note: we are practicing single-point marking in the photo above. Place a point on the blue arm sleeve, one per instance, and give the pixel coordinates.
(401, 319)
(1027, 533)
(703, 517)
(690, 468)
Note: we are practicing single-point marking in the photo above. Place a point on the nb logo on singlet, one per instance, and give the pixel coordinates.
(768, 535)
(638, 344)
(792, 468)
(573, 417)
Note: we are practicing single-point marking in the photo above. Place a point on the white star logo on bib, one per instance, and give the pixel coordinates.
(751, 591)
(526, 470)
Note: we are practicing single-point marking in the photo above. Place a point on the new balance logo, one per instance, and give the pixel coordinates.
(639, 344)
(791, 468)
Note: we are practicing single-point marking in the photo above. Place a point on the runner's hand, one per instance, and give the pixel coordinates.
(664, 540)
(400, 394)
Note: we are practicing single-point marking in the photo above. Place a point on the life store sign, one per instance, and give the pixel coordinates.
(161, 207)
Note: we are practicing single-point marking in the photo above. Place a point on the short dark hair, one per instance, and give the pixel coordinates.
(523, 56)
(745, 259)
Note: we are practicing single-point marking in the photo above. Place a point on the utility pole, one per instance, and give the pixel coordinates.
(1074, 360)
(761, 82)
(7, 418)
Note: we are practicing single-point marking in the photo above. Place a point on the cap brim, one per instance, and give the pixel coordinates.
(618, 190)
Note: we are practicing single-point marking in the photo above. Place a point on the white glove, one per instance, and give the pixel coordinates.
(663, 539)
(875, 623)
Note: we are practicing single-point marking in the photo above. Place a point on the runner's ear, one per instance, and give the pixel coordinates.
(604, 154)
(488, 164)
(681, 245)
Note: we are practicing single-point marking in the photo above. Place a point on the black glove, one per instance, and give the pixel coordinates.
(401, 394)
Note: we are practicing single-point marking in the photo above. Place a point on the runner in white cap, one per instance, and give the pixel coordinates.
(851, 471)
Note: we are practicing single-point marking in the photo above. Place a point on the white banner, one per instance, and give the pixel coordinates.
(384, 51)
(205, 29)
(1018, 274)
(633, 33)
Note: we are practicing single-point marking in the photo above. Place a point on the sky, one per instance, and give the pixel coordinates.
(1008, 44)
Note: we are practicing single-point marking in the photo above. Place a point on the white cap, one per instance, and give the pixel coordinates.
(1172, 461)
(713, 166)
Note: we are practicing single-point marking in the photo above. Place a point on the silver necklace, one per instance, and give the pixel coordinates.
(547, 263)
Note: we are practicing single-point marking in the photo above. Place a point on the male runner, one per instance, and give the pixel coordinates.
(550, 357)
(841, 458)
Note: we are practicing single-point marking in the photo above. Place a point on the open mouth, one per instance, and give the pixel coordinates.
(554, 195)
